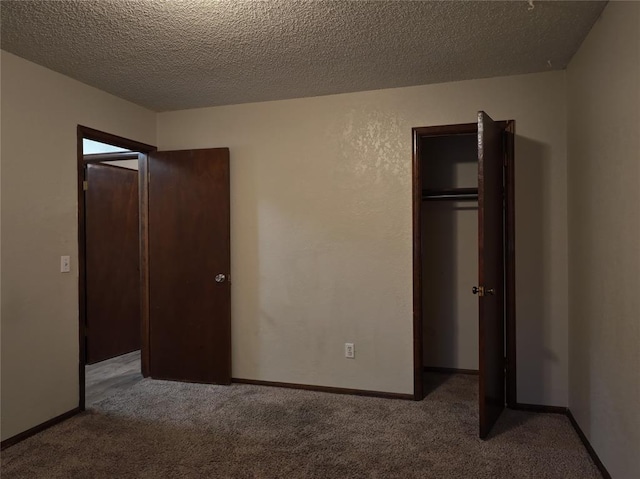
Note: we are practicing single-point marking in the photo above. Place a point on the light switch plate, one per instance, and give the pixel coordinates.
(65, 264)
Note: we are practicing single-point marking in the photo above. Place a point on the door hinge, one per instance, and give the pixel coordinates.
(85, 185)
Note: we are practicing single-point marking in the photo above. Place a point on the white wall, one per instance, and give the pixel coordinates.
(321, 228)
(603, 84)
(90, 147)
(40, 112)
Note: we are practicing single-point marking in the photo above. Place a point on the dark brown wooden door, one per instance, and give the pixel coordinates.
(189, 247)
(112, 262)
(491, 272)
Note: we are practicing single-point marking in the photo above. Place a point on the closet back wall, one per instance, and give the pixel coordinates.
(321, 228)
(449, 271)
(450, 254)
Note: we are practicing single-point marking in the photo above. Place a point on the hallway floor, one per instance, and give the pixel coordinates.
(111, 377)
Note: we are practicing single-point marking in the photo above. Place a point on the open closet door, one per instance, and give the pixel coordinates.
(189, 265)
(491, 272)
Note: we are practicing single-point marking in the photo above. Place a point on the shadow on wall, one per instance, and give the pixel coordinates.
(583, 284)
(532, 160)
(439, 262)
(450, 270)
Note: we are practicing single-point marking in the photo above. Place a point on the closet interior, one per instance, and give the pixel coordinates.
(464, 268)
(449, 225)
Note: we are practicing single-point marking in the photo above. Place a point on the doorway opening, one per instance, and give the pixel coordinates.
(181, 272)
(113, 310)
(464, 262)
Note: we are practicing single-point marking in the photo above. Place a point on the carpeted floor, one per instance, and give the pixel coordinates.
(160, 429)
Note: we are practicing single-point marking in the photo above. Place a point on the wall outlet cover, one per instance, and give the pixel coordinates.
(349, 351)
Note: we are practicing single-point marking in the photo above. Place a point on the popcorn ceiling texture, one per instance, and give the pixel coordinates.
(171, 55)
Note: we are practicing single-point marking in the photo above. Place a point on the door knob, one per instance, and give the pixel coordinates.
(480, 291)
(220, 278)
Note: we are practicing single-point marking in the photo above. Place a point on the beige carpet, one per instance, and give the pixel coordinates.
(160, 429)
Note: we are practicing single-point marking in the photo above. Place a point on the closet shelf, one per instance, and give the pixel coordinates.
(457, 194)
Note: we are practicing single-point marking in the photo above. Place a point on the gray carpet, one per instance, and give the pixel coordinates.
(160, 429)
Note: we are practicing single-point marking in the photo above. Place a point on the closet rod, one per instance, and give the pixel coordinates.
(457, 194)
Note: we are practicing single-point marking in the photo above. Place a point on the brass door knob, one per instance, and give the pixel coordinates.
(480, 291)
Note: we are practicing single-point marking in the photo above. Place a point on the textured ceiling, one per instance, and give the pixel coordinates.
(172, 54)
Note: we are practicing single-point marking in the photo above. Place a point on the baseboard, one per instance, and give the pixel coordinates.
(36, 429)
(324, 389)
(434, 369)
(540, 408)
(594, 457)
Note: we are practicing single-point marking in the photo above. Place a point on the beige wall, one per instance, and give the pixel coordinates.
(40, 112)
(449, 272)
(321, 228)
(603, 84)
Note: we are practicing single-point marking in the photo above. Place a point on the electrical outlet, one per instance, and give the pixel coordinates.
(349, 351)
(65, 264)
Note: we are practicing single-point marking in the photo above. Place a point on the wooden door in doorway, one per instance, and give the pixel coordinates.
(112, 262)
(491, 272)
(189, 266)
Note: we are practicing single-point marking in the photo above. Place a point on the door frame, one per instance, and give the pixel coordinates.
(141, 150)
(418, 133)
